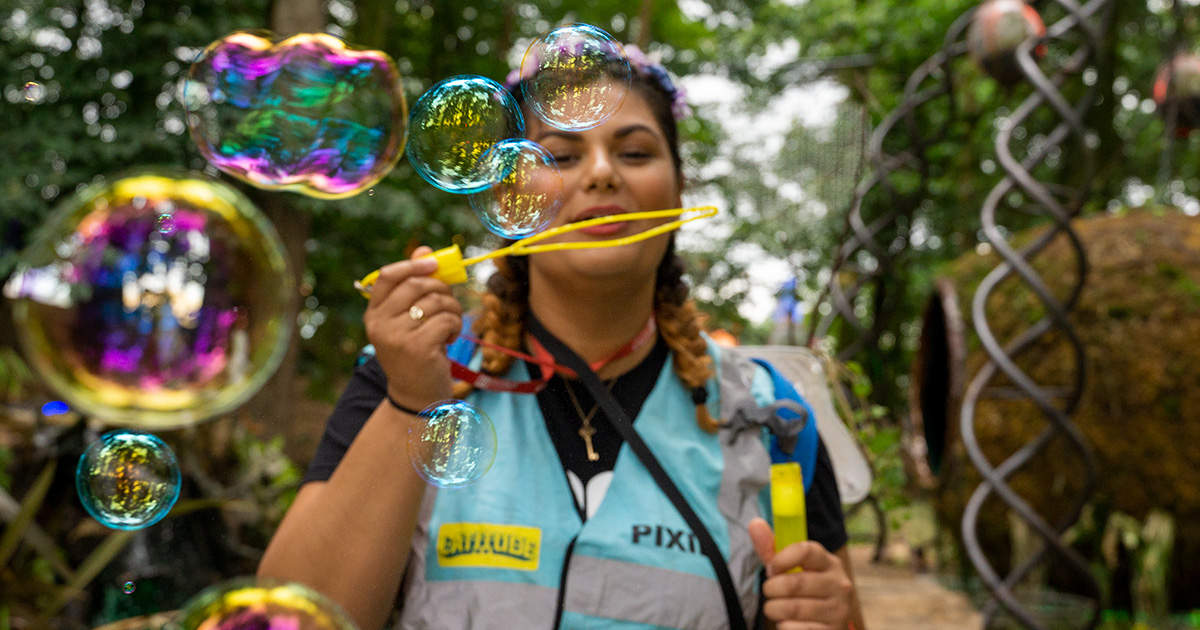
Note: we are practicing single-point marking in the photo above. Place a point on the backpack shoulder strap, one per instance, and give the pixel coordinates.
(789, 419)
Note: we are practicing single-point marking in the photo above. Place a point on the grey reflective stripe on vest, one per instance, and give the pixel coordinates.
(649, 595)
(486, 605)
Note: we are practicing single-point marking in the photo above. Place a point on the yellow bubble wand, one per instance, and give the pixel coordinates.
(452, 267)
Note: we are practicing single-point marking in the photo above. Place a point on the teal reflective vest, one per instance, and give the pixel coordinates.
(512, 552)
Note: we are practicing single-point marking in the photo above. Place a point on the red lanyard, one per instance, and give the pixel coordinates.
(544, 360)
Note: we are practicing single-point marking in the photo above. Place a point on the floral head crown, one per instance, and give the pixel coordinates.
(641, 63)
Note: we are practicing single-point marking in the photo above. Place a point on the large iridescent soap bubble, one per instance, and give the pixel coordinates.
(154, 301)
(526, 189)
(453, 124)
(246, 604)
(453, 445)
(308, 114)
(128, 480)
(577, 77)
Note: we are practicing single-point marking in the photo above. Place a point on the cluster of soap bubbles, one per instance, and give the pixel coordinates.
(464, 133)
(313, 115)
(154, 301)
(159, 301)
(244, 604)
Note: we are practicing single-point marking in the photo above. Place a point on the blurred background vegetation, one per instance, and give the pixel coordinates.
(785, 94)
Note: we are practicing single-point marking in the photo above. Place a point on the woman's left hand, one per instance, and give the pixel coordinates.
(817, 598)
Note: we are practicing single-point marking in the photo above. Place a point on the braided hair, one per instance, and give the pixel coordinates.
(503, 321)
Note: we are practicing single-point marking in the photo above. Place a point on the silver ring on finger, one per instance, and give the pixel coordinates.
(416, 313)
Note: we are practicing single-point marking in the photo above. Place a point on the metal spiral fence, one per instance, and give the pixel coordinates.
(873, 244)
(1082, 28)
(864, 259)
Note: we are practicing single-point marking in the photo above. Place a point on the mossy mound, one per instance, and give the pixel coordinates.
(1139, 319)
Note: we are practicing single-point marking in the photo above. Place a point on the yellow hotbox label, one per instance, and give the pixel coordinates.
(489, 545)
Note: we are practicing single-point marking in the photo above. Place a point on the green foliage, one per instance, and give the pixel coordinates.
(958, 144)
(433, 39)
(6, 457)
(105, 102)
(268, 480)
(29, 506)
(54, 557)
(108, 101)
(110, 77)
(882, 440)
(15, 377)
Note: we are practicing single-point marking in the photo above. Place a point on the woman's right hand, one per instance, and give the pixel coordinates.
(410, 320)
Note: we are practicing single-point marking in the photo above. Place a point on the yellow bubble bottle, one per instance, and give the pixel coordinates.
(787, 505)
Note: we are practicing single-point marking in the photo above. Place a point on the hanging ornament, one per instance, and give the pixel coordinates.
(1177, 87)
(997, 30)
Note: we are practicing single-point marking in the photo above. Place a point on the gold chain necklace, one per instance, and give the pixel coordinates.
(586, 430)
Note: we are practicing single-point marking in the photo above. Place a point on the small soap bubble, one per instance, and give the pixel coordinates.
(308, 114)
(244, 604)
(127, 480)
(578, 77)
(452, 445)
(165, 224)
(128, 588)
(371, 192)
(526, 189)
(153, 324)
(453, 124)
(33, 92)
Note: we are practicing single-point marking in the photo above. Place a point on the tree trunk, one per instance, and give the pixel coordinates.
(272, 410)
(289, 17)
(646, 17)
(374, 20)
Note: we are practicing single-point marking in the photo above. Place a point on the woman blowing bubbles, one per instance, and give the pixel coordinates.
(567, 529)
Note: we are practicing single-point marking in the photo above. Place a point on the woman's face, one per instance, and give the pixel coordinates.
(621, 166)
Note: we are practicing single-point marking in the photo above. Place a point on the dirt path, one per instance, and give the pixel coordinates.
(899, 599)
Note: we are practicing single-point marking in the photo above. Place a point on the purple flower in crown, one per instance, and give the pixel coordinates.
(637, 58)
(644, 65)
(524, 71)
(514, 77)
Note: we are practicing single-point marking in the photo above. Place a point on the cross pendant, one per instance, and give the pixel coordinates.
(586, 432)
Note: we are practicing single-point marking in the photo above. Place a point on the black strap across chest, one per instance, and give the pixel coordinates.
(624, 425)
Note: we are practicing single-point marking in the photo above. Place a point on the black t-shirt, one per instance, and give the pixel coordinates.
(631, 389)
(368, 384)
